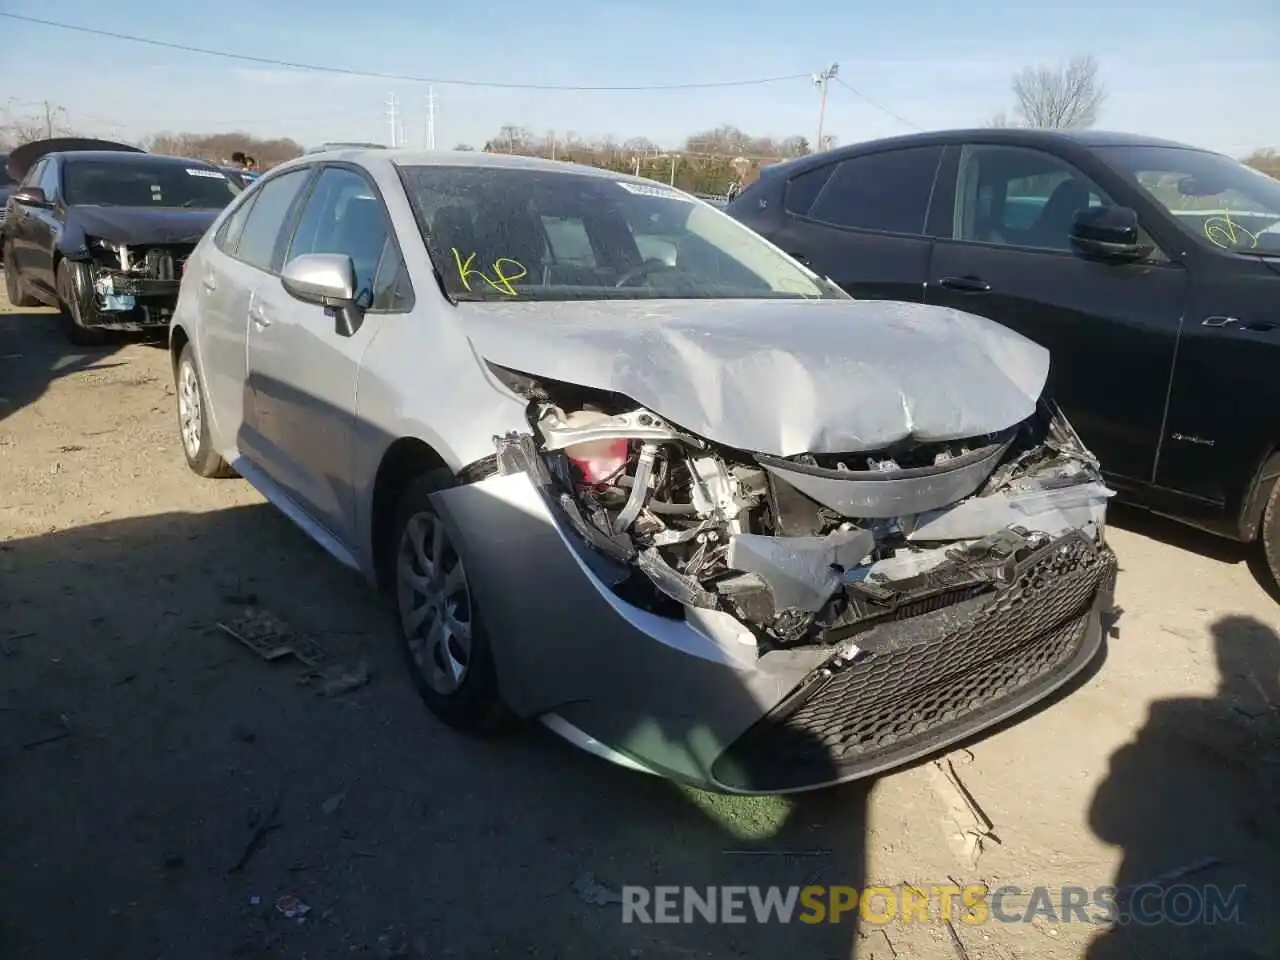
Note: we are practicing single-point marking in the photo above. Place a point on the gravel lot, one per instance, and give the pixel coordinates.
(142, 750)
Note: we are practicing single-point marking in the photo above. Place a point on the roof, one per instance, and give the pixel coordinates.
(469, 158)
(126, 158)
(1017, 136)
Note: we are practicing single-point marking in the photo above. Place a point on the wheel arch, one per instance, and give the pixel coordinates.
(403, 462)
(1258, 493)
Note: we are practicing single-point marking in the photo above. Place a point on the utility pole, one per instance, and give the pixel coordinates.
(430, 143)
(48, 120)
(822, 81)
(393, 114)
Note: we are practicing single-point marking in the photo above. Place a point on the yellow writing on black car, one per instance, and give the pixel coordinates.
(505, 272)
(1225, 232)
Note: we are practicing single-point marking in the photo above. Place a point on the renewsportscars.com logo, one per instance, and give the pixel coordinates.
(1180, 905)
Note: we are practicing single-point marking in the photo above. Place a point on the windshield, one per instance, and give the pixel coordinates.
(146, 184)
(1222, 202)
(502, 233)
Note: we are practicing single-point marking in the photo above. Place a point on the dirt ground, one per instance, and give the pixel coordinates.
(162, 787)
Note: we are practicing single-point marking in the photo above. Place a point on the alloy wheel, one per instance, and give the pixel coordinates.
(435, 603)
(190, 415)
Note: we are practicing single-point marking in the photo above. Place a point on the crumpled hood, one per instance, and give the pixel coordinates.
(140, 225)
(779, 377)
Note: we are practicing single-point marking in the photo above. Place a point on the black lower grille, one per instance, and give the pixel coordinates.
(938, 679)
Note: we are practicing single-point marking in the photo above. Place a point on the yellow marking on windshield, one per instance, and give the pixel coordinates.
(506, 275)
(1224, 232)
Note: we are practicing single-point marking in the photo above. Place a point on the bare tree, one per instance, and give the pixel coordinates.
(1267, 160)
(1060, 98)
(1000, 121)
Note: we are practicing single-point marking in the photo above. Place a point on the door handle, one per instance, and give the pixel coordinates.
(209, 283)
(966, 284)
(259, 318)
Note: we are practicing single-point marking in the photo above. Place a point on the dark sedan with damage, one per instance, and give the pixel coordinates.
(102, 231)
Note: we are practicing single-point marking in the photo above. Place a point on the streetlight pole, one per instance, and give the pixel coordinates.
(822, 81)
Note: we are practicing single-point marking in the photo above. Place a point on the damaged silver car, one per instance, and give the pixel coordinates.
(628, 469)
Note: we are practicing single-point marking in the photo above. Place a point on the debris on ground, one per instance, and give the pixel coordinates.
(265, 826)
(957, 944)
(292, 907)
(272, 639)
(592, 891)
(331, 805)
(335, 681)
(972, 827)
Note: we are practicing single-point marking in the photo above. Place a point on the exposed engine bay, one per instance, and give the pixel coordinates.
(804, 550)
(130, 286)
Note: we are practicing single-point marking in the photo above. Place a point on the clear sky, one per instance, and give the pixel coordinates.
(1203, 72)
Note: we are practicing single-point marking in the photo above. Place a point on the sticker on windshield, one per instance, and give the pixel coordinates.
(644, 190)
(211, 174)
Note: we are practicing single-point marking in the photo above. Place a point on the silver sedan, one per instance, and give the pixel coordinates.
(629, 470)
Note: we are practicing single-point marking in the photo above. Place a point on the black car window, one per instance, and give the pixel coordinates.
(887, 192)
(48, 181)
(228, 236)
(804, 188)
(5, 179)
(344, 215)
(1016, 196)
(265, 223)
(32, 179)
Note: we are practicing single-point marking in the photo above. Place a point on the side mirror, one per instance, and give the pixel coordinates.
(1111, 233)
(30, 197)
(326, 280)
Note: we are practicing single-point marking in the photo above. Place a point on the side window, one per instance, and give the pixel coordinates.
(261, 233)
(392, 291)
(49, 180)
(32, 179)
(1021, 197)
(887, 192)
(227, 238)
(804, 188)
(343, 214)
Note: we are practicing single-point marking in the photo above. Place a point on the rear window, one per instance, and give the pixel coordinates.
(5, 179)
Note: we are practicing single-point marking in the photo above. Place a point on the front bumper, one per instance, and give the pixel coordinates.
(692, 700)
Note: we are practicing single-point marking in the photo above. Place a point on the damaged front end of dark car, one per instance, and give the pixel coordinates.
(123, 286)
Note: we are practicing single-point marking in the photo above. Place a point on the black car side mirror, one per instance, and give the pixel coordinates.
(30, 197)
(1111, 233)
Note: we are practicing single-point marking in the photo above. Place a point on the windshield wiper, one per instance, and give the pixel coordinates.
(1255, 252)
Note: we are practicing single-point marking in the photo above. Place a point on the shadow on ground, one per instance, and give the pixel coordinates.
(1183, 537)
(34, 353)
(1194, 803)
(142, 751)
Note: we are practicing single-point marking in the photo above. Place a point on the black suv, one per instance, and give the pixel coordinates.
(1150, 269)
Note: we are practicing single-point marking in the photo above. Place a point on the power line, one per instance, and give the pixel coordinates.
(323, 68)
(858, 93)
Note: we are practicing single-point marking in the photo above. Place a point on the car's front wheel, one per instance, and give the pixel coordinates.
(442, 635)
(193, 420)
(73, 283)
(13, 287)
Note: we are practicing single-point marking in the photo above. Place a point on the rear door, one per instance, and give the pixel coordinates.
(1003, 217)
(861, 221)
(244, 257)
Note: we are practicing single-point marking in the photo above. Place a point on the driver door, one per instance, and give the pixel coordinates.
(303, 370)
(1003, 217)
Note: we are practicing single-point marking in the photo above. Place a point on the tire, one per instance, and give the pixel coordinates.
(193, 422)
(1269, 535)
(467, 701)
(71, 280)
(13, 286)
